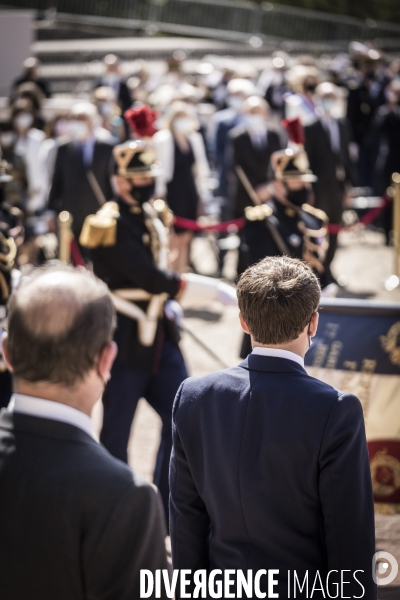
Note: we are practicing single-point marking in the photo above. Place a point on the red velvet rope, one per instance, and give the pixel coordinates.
(366, 219)
(233, 226)
(236, 224)
(226, 226)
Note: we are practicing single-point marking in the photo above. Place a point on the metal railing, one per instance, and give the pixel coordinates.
(223, 19)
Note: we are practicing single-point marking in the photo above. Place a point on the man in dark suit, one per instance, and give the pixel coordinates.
(366, 94)
(81, 180)
(75, 522)
(112, 78)
(327, 143)
(251, 145)
(270, 467)
(253, 142)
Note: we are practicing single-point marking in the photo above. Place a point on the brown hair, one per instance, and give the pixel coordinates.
(59, 321)
(277, 298)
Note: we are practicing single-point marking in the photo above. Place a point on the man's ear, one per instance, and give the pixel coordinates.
(106, 360)
(243, 324)
(4, 349)
(314, 324)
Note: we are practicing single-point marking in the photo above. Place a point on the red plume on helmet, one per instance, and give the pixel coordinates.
(141, 121)
(294, 130)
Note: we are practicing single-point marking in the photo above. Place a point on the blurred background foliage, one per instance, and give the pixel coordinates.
(379, 10)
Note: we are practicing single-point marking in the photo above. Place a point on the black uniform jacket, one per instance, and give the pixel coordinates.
(129, 263)
(289, 224)
(75, 522)
(270, 470)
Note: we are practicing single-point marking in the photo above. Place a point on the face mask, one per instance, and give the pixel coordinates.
(297, 197)
(328, 105)
(183, 125)
(23, 121)
(310, 87)
(234, 102)
(111, 78)
(7, 139)
(79, 130)
(309, 335)
(256, 122)
(143, 193)
(61, 127)
(106, 108)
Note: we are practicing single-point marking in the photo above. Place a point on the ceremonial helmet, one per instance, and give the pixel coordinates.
(292, 163)
(138, 157)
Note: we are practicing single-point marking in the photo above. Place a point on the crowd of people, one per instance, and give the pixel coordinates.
(277, 155)
(212, 129)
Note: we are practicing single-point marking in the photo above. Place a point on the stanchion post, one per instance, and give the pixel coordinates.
(64, 236)
(394, 192)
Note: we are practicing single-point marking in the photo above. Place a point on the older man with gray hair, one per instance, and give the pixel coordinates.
(75, 522)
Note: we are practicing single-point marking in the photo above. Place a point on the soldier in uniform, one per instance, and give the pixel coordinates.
(11, 237)
(128, 245)
(287, 223)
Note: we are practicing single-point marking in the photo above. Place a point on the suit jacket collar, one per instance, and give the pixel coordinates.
(50, 428)
(271, 364)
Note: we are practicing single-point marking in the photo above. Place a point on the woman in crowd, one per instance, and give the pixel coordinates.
(29, 140)
(185, 171)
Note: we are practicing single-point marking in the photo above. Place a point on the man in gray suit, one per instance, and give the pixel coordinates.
(75, 523)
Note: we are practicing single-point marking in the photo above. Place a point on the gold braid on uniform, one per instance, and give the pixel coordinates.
(150, 213)
(7, 260)
(258, 213)
(164, 212)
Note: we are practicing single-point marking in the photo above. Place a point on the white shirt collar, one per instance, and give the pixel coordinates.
(47, 409)
(279, 354)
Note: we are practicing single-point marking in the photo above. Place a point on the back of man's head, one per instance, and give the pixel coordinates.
(60, 319)
(277, 298)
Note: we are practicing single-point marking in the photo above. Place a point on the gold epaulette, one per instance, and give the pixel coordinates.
(258, 213)
(316, 212)
(101, 229)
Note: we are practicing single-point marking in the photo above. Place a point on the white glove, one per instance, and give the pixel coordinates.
(173, 311)
(227, 294)
(200, 290)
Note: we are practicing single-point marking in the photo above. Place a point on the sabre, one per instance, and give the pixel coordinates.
(204, 346)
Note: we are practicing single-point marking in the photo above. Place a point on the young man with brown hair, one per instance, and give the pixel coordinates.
(269, 469)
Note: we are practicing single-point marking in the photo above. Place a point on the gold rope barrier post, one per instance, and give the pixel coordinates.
(394, 192)
(64, 236)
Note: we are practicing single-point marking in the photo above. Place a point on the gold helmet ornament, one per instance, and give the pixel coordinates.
(136, 158)
(292, 163)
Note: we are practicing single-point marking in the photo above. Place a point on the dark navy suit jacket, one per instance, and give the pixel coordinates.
(270, 470)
